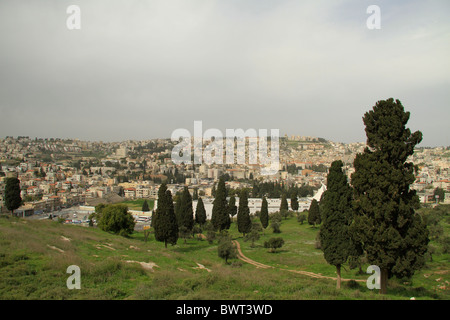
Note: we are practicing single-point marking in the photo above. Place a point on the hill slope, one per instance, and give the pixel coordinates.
(35, 255)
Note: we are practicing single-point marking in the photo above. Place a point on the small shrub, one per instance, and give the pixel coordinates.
(275, 226)
(352, 284)
(274, 244)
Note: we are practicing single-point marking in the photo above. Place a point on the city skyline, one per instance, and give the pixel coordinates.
(140, 70)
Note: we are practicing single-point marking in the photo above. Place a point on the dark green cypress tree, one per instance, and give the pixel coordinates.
(186, 211)
(13, 200)
(264, 215)
(284, 204)
(394, 237)
(145, 206)
(314, 213)
(220, 217)
(200, 212)
(294, 201)
(243, 217)
(337, 215)
(165, 224)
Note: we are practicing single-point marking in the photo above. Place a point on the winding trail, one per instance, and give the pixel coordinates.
(242, 257)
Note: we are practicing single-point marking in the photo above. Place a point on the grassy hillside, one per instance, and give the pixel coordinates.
(34, 256)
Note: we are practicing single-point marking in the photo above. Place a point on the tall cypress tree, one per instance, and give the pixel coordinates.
(243, 216)
(165, 224)
(314, 213)
(294, 201)
(284, 204)
(145, 206)
(393, 236)
(200, 212)
(264, 215)
(220, 217)
(337, 216)
(186, 211)
(13, 200)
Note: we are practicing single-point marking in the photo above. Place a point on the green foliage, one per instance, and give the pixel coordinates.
(243, 217)
(165, 221)
(337, 215)
(200, 212)
(284, 203)
(264, 215)
(226, 249)
(115, 218)
(301, 217)
(440, 193)
(186, 214)
(12, 196)
(220, 217)
(274, 244)
(394, 237)
(314, 213)
(145, 206)
(210, 233)
(254, 234)
(294, 202)
(275, 222)
(232, 206)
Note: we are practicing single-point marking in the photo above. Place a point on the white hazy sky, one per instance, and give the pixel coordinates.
(141, 69)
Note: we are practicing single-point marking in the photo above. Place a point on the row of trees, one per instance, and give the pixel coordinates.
(170, 221)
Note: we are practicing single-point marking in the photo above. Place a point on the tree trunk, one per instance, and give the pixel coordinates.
(383, 281)
(338, 271)
(165, 243)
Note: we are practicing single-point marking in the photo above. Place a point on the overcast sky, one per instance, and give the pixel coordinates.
(141, 69)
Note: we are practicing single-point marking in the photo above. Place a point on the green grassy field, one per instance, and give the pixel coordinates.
(34, 256)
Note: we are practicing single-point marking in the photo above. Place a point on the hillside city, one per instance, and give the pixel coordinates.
(62, 173)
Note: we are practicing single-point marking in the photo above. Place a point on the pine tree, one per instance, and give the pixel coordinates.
(243, 217)
(394, 237)
(314, 213)
(165, 221)
(200, 212)
(220, 217)
(264, 215)
(13, 200)
(337, 214)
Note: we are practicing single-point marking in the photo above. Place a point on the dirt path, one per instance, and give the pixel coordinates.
(242, 257)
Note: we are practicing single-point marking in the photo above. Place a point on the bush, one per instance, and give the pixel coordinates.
(226, 249)
(116, 218)
(275, 226)
(301, 217)
(274, 243)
